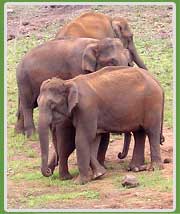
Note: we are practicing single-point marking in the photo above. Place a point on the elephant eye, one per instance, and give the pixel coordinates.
(113, 62)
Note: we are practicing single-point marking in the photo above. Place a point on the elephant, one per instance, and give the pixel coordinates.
(113, 99)
(64, 58)
(100, 26)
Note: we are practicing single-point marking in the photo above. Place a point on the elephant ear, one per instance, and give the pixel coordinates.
(72, 97)
(129, 57)
(89, 58)
(121, 28)
(117, 28)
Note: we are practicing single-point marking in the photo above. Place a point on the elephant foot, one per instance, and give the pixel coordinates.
(30, 131)
(97, 174)
(103, 164)
(136, 168)
(66, 176)
(155, 166)
(82, 180)
(19, 128)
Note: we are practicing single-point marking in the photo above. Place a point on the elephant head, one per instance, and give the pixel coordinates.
(106, 52)
(56, 101)
(122, 31)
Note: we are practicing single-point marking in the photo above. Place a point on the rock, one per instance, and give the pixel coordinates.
(10, 37)
(129, 181)
(167, 160)
(25, 23)
(10, 10)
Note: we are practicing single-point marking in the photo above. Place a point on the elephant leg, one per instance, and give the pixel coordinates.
(154, 141)
(127, 140)
(19, 126)
(104, 142)
(28, 103)
(97, 168)
(137, 162)
(28, 121)
(66, 145)
(82, 142)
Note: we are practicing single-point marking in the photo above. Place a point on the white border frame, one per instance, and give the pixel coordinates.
(174, 106)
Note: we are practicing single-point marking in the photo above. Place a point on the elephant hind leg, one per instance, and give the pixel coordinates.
(137, 162)
(19, 126)
(154, 139)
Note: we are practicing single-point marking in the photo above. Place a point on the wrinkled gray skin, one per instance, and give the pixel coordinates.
(87, 99)
(65, 59)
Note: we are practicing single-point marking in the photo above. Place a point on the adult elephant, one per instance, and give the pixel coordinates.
(65, 59)
(99, 26)
(85, 100)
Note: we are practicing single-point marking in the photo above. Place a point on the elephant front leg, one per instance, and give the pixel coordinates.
(83, 155)
(97, 168)
(137, 162)
(66, 145)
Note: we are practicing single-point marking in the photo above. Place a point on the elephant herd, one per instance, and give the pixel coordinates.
(86, 87)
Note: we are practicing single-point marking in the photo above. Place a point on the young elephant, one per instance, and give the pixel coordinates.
(113, 99)
(100, 26)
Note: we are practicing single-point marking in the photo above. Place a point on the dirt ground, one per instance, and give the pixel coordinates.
(31, 22)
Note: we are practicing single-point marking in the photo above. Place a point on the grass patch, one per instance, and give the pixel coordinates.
(155, 180)
(149, 180)
(46, 198)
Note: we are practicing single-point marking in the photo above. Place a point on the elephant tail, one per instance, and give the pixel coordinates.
(127, 140)
(162, 138)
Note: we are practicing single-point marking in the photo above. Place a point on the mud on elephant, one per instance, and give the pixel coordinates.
(100, 26)
(139, 110)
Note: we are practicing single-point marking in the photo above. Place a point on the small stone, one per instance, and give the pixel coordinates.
(25, 23)
(167, 160)
(11, 36)
(10, 10)
(130, 181)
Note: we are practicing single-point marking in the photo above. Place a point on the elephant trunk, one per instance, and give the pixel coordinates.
(127, 140)
(135, 56)
(43, 129)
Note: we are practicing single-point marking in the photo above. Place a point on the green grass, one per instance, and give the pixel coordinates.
(41, 200)
(148, 180)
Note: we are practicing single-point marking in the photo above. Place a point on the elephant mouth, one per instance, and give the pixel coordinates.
(60, 120)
